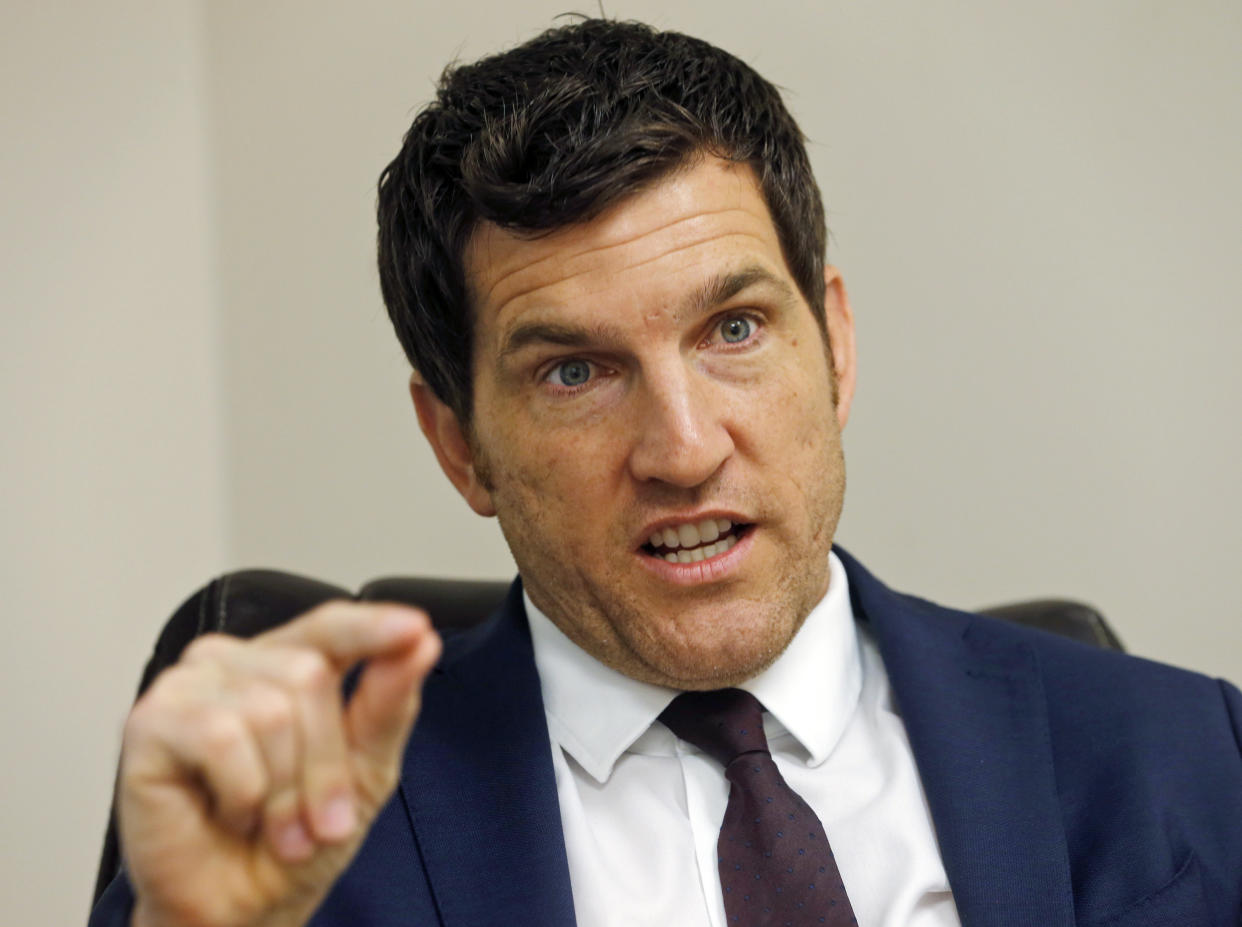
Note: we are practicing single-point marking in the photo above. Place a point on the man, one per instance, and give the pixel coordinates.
(604, 254)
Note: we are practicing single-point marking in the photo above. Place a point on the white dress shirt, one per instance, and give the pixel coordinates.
(641, 810)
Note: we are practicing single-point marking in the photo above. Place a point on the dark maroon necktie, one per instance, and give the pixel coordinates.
(776, 868)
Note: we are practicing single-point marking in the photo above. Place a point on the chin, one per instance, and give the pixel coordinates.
(721, 675)
(719, 656)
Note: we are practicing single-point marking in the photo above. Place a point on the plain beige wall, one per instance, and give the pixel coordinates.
(112, 503)
(1036, 207)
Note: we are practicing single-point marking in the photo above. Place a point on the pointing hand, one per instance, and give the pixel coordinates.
(247, 785)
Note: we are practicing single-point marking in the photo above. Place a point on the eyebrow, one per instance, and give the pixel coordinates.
(723, 287)
(570, 336)
(712, 293)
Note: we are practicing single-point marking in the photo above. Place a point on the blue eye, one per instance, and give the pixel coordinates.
(735, 329)
(571, 373)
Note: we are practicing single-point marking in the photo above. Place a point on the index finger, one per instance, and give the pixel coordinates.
(346, 632)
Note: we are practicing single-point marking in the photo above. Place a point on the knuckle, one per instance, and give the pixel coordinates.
(164, 688)
(207, 647)
(167, 696)
(270, 710)
(326, 613)
(220, 731)
(309, 670)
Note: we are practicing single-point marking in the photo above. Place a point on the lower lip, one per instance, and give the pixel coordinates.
(712, 570)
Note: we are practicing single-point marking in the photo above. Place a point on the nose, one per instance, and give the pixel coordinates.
(680, 433)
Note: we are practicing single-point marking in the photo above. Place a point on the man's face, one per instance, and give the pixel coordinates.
(642, 382)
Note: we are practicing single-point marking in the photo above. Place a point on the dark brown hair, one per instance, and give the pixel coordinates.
(552, 133)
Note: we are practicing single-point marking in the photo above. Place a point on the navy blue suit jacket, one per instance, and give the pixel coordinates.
(1068, 785)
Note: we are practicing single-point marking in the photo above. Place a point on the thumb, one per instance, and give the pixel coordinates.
(382, 710)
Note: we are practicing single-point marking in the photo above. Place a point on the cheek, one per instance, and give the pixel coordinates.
(794, 411)
(798, 440)
(550, 484)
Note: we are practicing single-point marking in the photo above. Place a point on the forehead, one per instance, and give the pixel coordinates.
(688, 225)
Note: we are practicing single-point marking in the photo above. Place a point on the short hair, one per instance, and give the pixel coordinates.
(552, 133)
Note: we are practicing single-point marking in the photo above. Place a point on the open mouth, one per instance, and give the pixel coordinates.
(693, 542)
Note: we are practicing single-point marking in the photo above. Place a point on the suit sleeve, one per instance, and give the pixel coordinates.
(115, 906)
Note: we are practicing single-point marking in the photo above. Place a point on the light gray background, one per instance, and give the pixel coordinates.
(1037, 207)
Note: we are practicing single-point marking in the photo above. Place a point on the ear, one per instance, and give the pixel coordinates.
(840, 319)
(452, 448)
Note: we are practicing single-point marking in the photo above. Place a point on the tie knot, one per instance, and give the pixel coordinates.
(725, 723)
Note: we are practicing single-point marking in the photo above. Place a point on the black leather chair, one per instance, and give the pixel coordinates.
(248, 602)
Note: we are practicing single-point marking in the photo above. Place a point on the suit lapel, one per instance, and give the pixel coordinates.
(479, 786)
(973, 706)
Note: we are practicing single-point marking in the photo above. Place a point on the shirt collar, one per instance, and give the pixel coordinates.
(596, 713)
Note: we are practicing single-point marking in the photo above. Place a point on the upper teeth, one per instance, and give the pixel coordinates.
(691, 535)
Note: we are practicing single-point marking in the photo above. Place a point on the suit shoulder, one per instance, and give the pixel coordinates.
(1063, 655)
(1122, 693)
